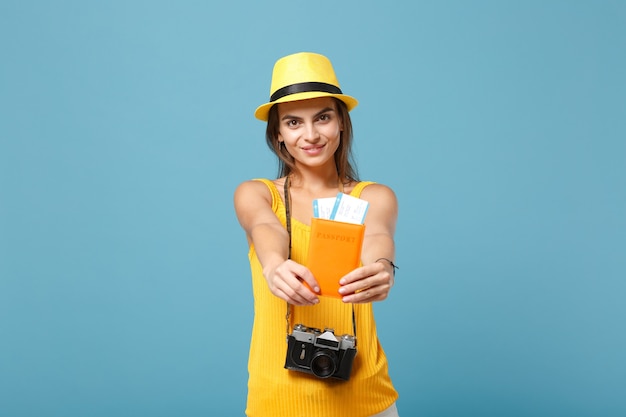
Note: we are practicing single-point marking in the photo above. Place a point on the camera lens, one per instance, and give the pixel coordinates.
(323, 364)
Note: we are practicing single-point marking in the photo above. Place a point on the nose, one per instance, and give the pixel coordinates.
(310, 133)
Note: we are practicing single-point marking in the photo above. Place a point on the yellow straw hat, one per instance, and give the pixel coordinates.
(302, 76)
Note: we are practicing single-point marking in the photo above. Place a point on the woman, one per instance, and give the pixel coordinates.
(309, 129)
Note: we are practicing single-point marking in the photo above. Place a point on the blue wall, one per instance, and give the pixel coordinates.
(126, 125)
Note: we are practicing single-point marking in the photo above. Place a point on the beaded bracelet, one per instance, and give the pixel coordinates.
(390, 263)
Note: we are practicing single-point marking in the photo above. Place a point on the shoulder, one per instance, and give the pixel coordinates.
(382, 212)
(256, 184)
(252, 191)
(373, 191)
(383, 203)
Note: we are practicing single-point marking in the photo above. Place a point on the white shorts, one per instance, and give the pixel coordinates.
(390, 412)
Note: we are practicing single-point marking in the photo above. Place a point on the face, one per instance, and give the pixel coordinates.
(310, 130)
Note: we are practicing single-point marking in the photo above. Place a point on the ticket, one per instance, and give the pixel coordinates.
(323, 207)
(349, 209)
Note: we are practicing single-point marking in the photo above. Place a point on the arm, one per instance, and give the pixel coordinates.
(374, 279)
(253, 206)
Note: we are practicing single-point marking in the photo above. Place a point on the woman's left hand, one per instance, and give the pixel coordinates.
(368, 283)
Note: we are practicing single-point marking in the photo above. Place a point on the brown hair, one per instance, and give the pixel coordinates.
(344, 160)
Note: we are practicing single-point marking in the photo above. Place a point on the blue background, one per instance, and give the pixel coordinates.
(126, 125)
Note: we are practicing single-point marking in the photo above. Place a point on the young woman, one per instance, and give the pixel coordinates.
(309, 129)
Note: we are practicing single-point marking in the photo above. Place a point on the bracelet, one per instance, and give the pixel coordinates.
(390, 263)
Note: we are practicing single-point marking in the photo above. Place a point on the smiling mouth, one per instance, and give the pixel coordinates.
(313, 148)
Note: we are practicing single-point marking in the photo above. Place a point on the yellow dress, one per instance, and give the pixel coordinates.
(276, 391)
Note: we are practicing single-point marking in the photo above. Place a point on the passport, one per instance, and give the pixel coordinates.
(334, 250)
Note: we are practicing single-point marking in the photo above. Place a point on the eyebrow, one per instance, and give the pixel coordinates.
(325, 110)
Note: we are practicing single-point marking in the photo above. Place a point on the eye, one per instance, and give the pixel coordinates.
(324, 117)
(292, 123)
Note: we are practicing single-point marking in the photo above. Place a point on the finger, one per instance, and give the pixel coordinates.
(306, 277)
(353, 276)
(358, 286)
(292, 296)
(367, 296)
(360, 273)
(366, 276)
(305, 294)
(285, 296)
(298, 293)
(293, 286)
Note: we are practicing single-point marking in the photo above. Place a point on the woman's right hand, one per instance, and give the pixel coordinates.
(293, 282)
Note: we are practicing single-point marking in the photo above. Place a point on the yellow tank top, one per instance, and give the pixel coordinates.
(276, 391)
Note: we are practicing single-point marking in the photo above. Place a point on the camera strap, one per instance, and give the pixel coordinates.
(287, 196)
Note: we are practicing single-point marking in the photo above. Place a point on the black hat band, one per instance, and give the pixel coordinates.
(303, 88)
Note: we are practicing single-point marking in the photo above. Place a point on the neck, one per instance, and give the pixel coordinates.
(313, 180)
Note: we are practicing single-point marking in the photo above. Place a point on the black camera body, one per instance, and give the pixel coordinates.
(320, 353)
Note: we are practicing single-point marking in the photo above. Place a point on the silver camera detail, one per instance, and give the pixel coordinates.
(320, 353)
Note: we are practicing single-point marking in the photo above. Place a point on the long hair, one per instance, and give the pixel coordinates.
(344, 159)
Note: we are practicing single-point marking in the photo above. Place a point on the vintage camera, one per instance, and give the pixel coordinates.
(320, 353)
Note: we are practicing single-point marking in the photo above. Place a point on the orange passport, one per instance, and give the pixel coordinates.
(334, 250)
